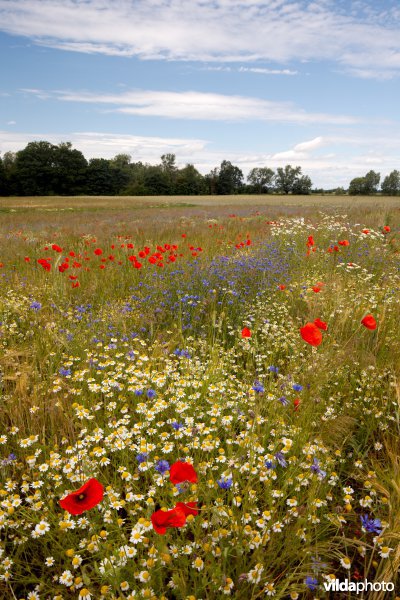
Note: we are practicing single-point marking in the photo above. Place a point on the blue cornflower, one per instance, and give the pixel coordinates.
(315, 468)
(269, 464)
(283, 400)
(138, 392)
(258, 387)
(225, 484)
(142, 457)
(311, 583)
(150, 394)
(131, 354)
(297, 387)
(64, 372)
(177, 425)
(371, 525)
(281, 459)
(162, 466)
(35, 305)
(273, 369)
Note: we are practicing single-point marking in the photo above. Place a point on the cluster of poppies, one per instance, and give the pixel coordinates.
(312, 332)
(91, 494)
(166, 253)
(179, 472)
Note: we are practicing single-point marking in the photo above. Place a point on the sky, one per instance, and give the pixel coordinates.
(258, 83)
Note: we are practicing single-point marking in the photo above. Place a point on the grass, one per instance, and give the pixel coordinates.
(117, 363)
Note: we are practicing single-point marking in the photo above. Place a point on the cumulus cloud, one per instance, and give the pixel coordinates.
(362, 37)
(198, 106)
(107, 145)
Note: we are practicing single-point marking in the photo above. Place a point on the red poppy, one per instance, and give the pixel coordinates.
(56, 248)
(182, 471)
(386, 229)
(316, 289)
(344, 242)
(366, 231)
(162, 519)
(321, 324)
(45, 264)
(282, 286)
(189, 508)
(369, 322)
(246, 333)
(88, 496)
(98, 251)
(296, 403)
(311, 334)
(310, 241)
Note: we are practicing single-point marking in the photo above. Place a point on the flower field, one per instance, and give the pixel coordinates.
(199, 404)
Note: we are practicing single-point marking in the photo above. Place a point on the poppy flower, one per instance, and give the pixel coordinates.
(88, 496)
(316, 289)
(311, 334)
(98, 251)
(162, 519)
(369, 322)
(56, 248)
(246, 333)
(182, 471)
(386, 229)
(296, 404)
(344, 242)
(189, 508)
(321, 324)
(282, 287)
(310, 241)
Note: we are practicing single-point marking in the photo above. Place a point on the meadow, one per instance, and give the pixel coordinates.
(200, 397)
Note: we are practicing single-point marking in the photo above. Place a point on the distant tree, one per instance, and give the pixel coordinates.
(286, 178)
(302, 185)
(391, 184)
(211, 180)
(9, 160)
(34, 169)
(357, 186)
(365, 186)
(102, 178)
(157, 181)
(261, 179)
(69, 170)
(230, 178)
(3, 179)
(189, 181)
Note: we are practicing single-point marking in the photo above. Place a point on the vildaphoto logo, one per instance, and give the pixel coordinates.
(335, 585)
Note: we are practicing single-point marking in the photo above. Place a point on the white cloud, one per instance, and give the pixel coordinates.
(107, 145)
(361, 37)
(198, 106)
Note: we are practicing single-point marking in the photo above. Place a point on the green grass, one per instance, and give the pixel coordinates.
(74, 359)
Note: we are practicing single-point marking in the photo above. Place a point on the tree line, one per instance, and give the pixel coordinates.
(43, 169)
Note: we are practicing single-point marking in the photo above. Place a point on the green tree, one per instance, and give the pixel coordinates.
(391, 184)
(34, 169)
(365, 186)
(286, 178)
(230, 178)
(102, 178)
(69, 170)
(3, 179)
(189, 181)
(302, 185)
(261, 179)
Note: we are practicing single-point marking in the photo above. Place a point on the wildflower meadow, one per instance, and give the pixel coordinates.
(199, 401)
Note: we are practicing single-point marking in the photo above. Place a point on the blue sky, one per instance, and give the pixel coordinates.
(259, 83)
